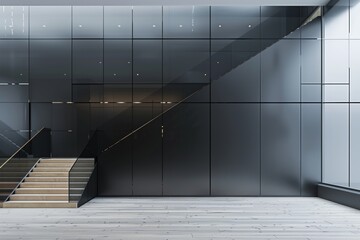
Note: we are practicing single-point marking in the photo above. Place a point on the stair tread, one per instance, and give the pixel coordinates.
(43, 194)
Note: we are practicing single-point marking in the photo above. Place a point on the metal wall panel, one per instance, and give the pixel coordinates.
(336, 144)
(310, 148)
(280, 71)
(147, 157)
(354, 146)
(186, 150)
(235, 149)
(50, 75)
(280, 149)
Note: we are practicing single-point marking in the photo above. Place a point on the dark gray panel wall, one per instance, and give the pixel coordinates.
(280, 149)
(111, 69)
(310, 148)
(235, 149)
(147, 158)
(186, 150)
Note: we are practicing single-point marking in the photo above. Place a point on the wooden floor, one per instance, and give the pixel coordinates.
(186, 218)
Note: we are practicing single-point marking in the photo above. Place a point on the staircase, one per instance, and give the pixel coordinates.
(47, 184)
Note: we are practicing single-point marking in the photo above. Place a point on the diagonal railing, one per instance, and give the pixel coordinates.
(197, 88)
(16, 168)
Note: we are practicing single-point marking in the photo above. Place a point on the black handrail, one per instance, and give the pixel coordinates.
(17, 167)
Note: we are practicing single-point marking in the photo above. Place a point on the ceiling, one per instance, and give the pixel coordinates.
(166, 2)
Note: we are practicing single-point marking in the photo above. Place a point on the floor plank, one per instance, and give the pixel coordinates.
(186, 218)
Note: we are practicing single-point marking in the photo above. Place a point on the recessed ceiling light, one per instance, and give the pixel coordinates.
(220, 26)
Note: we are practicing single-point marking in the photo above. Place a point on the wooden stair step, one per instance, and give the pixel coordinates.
(59, 174)
(64, 165)
(48, 190)
(57, 160)
(52, 185)
(55, 179)
(39, 204)
(49, 169)
(41, 197)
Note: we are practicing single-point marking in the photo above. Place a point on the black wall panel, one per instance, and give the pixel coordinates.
(147, 160)
(235, 149)
(14, 61)
(115, 171)
(239, 73)
(280, 149)
(50, 75)
(186, 150)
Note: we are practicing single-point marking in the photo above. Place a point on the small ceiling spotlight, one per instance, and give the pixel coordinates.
(80, 26)
(154, 25)
(220, 26)
(44, 26)
(250, 26)
(119, 26)
(180, 25)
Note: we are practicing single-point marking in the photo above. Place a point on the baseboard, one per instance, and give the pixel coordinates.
(345, 196)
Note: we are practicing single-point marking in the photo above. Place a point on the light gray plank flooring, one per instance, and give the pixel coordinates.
(186, 218)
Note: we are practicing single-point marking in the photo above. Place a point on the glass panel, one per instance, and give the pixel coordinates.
(147, 22)
(14, 61)
(354, 70)
(118, 22)
(235, 22)
(336, 20)
(50, 22)
(186, 61)
(186, 21)
(336, 61)
(87, 21)
(14, 22)
(336, 93)
(147, 61)
(354, 148)
(354, 19)
(87, 61)
(118, 61)
(336, 144)
(50, 63)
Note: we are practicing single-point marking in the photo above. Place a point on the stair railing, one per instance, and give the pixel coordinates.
(89, 153)
(17, 167)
